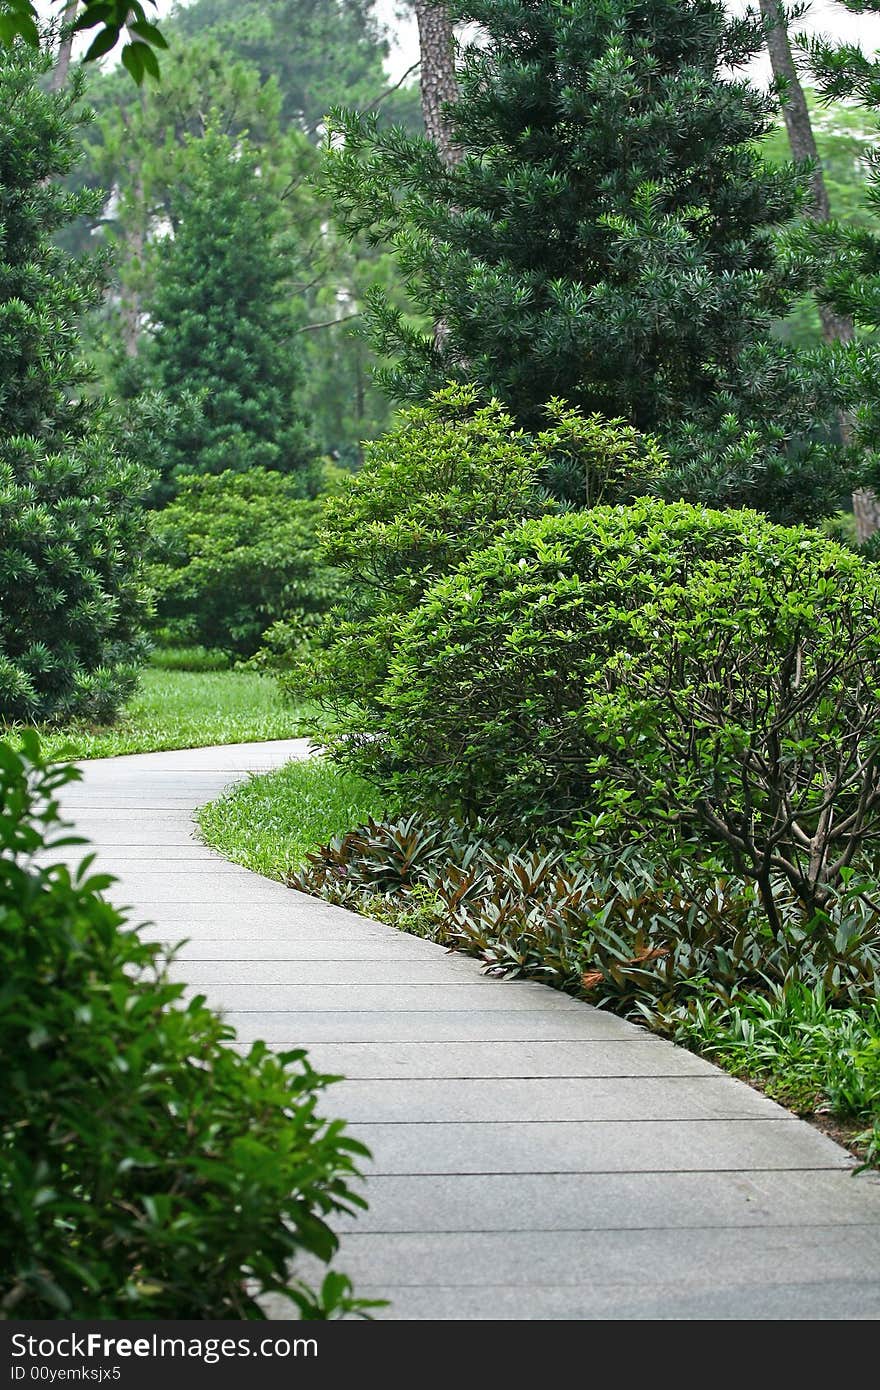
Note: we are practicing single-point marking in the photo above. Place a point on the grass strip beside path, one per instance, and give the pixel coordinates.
(271, 822)
(185, 709)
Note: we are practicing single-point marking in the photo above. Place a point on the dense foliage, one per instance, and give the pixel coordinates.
(849, 255)
(71, 524)
(224, 328)
(317, 52)
(262, 69)
(21, 21)
(619, 928)
(608, 236)
(843, 134)
(234, 554)
(450, 478)
(647, 670)
(147, 1168)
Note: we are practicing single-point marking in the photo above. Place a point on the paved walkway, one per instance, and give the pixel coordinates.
(533, 1157)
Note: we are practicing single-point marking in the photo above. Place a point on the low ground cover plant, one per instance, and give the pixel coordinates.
(621, 929)
(689, 953)
(147, 1169)
(271, 822)
(793, 1009)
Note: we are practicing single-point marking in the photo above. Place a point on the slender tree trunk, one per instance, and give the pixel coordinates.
(65, 47)
(438, 86)
(134, 245)
(836, 328)
(130, 298)
(437, 80)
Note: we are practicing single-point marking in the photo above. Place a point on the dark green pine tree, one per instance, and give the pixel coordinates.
(225, 320)
(71, 518)
(608, 235)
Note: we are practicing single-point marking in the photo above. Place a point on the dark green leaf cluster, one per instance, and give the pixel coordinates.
(448, 480)
(147, 1168)
(20, 21)
(225, 328)
(71, 526)
(608, 235)
(652, 670)
(235, 554)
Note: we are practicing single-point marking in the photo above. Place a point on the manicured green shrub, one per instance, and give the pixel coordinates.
(447, 481)
(234, 554)
(649, 670)
(147, 1169)
(71, 523)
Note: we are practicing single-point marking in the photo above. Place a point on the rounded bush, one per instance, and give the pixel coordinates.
(699, 668)
(448, 480)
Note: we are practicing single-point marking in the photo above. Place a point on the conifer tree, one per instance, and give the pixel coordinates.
(71, 519)
(608, 236)
(225, 325)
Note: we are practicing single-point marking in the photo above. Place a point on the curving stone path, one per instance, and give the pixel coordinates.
(533, 1157)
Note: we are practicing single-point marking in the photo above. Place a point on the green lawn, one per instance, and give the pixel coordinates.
(186, 709)
(271, 822)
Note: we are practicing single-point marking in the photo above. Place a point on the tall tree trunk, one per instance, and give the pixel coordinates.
(438, 86)
(65, 47)
(437, 79)
(134, 234)
(836, 328)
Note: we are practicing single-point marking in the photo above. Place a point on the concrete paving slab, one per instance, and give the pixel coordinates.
(288, 947)
(407, 971)
(613, 1201)
(436, 1025)
(695, 1259)
(484, 994)
(655, 1301)
(467, 1061)
(527, 1146)
(617, 1098)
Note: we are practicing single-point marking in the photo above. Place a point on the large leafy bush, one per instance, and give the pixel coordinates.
(649, 669)
(235, 554)
(147, 1169)
(71, 524)
(452, 477)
